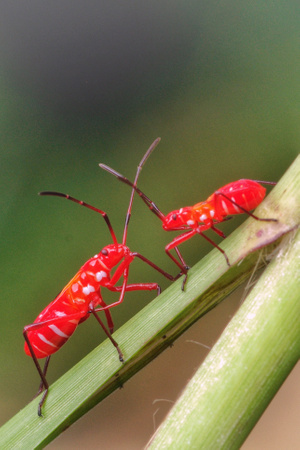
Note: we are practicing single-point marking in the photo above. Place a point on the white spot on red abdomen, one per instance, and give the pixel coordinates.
(75, 287)
(100, 275)
(88, 289)
(60, 313)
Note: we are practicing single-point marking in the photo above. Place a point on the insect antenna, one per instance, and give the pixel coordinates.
(82, 203)
(272, 183)
(134, 184)
(151, 205)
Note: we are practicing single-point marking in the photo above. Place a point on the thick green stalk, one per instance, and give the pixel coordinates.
(160, 323)
(246, 367)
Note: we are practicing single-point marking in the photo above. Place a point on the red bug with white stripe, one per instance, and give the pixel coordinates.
(237, 197)
(82, 296)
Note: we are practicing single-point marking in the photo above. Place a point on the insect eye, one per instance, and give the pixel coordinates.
(104, 252)
(174, 216)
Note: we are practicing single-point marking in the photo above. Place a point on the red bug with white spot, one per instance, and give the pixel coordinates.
(237, 197)
(82, 296)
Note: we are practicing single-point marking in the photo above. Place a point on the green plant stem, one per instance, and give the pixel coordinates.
(246, 367)
(153, 329)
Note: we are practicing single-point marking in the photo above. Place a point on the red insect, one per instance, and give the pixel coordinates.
(82, 295)
(237, 197)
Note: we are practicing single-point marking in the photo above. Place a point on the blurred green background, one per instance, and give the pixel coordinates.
(89, 82)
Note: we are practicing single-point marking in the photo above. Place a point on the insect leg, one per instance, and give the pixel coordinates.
(129, 287)
(42, 373)
(36, 326)
(214, 244)
(151, 264)
(115, 344)
(87, 205)
(41, 388)
(177, 241)
(219, 232)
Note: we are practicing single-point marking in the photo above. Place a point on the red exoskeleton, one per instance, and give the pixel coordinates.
(237, 197)
(82, 295)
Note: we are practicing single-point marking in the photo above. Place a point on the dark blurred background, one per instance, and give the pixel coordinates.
(89, 82)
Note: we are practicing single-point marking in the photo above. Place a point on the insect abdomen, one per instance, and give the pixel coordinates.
(49, 338)
(246, 193)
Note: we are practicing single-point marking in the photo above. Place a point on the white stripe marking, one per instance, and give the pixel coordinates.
(224, 206)
(57, 331)
(246, 202)
(42, 338)
(39, 350)
(103, 265)
(235, 207)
